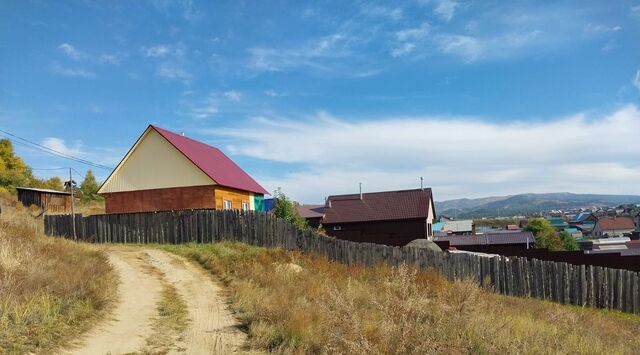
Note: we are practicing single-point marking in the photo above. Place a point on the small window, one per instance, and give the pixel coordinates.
(227, 204)
(337, 228)
(245, 206)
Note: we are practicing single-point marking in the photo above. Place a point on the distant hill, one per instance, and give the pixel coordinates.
(526, 204)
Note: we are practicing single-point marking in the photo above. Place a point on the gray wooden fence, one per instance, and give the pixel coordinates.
(582, 285)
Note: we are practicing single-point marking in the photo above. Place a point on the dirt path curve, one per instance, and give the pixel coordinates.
(130, 324)
(212, 328)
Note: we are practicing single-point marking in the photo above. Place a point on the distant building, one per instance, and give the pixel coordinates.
(583, 217)
(166, 171)
(389, 217)
(458, 227)
(575, 232)
(311, 213)
(484, 242)
(51, 201)
(613, 227)
(559, 223)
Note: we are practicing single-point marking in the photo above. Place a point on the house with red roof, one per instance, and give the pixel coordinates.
(166, 171)
(388, 217)
(613, 227)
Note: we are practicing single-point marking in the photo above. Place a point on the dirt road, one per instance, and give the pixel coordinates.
(211, 329)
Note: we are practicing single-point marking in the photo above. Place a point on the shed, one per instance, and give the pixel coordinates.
(51, 201)
(166, 171)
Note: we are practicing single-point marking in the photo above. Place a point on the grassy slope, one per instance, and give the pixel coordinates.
(50, 289)
(325, 307)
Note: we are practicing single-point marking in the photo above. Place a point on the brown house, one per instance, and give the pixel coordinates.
(166, 171)
(613, 227)
(311, 213)
(51, 201)
(390, 217)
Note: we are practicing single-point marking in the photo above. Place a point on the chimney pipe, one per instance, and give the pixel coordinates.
(360, 184)
(182, 133)
(421, 185)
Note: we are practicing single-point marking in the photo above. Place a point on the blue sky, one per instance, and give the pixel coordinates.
(480, 98)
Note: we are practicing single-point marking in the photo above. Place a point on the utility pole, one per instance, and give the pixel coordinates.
(73, 215)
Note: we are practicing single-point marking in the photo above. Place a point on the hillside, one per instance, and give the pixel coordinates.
(528, 203)
(348, 309)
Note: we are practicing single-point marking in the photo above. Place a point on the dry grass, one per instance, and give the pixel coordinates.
(326, 307)
(50, 289)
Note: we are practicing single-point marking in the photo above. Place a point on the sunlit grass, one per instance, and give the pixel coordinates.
(50, 289)
(294, 303)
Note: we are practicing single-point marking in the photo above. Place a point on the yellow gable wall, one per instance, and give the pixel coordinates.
(235, 196)
(153, 164)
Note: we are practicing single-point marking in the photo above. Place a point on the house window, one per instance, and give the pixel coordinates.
(227, 204)
(245, 206)
(337, 228)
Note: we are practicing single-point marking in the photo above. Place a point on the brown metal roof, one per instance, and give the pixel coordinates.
(310, 211)
(378, 206)
(488, 239)
(617, 223)
(46, 191)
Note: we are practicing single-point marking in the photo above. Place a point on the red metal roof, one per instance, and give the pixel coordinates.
(616, 223)
(213, 162)
(378, 206)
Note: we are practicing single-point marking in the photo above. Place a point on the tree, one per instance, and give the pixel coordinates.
(568, 241)
(286, 210)
(546, 235)
(13, 171)
(89, 187)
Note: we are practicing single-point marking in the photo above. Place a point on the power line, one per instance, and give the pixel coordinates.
(48, 150)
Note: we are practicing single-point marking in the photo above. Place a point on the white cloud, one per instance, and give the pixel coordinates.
(458, 156)
(160, 50)
(174, 71)
(308, 55)
(598, 29)
(273, 93)
(233, 95)
(59, 145)
(403, 49)
(73, 72)
(72, 52)
(446, 9)
(636, 80)
(467, 47)
(414, 34)
(114, 58)
(206, 110)
(472, 48)
(407, 39)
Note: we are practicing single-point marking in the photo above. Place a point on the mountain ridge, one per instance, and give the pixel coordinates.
(528, 203)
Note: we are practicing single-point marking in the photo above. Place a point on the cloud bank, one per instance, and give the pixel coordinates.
(457, 156)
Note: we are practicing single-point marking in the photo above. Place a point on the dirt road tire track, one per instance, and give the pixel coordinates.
(212, 328)
(127, 328)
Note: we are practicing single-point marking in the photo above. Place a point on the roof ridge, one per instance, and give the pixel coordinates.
(383, 192)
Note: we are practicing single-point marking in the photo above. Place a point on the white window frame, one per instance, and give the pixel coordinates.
(227, 204)
(337, 228)
(245, 206)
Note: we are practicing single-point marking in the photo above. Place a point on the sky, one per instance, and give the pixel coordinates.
(479, 98)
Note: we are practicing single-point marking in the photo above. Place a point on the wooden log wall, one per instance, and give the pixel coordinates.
(581, 285)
